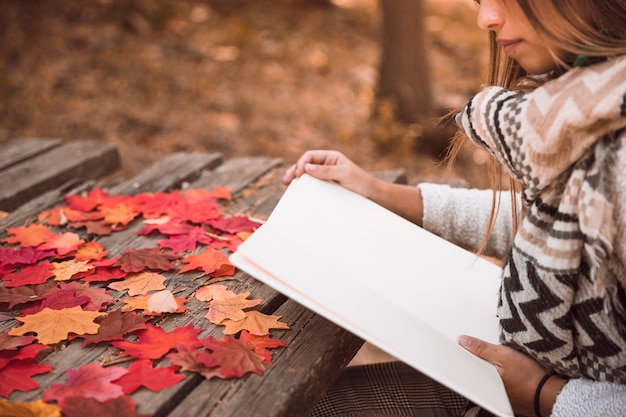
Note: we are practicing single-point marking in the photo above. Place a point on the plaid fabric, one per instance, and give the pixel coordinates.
(563, 297)
(391, 389)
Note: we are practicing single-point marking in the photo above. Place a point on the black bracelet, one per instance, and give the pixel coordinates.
(538, 392)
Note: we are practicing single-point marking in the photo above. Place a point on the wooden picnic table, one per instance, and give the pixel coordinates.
(36, 173)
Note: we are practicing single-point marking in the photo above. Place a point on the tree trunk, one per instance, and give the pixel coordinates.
(404, 76)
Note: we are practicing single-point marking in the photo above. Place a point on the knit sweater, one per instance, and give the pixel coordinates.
(470, 210)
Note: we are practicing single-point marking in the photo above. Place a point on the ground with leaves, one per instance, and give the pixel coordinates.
(242, 77)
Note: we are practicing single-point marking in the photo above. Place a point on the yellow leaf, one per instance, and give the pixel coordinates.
(140, 283)
(52, 326)
(64, 271)
(256, 323)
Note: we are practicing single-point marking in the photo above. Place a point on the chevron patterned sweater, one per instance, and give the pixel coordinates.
(563, 296)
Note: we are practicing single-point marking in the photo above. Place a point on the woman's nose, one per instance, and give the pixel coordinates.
(490, 15)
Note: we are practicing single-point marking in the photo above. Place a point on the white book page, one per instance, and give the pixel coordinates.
(383, 278)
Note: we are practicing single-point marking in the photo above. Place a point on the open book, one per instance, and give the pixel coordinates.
(381, 277)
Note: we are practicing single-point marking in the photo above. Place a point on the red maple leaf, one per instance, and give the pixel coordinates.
(141, 373)
(120, 406)
(89, 381)
(28, 351)
(234, 224)
(22, 256)
(167, 228)
(136, 260)
(187, 241)
(17, 376)
(235, 357)
(194, 195)
(13, 342)
(29, 275)
(102, 274)
(57, 300)
(154, 342)
(115, 325)
(87, 201)
(97, 296)
(24, 294)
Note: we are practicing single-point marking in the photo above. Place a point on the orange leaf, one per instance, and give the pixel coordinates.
(140, 283)
(214, 292)
(29, 236)
(52, 326)
(208, 261)
(256, 323)
(230, 308)
(91, 251)
(64, 271)
(120, 214)
(34, 408)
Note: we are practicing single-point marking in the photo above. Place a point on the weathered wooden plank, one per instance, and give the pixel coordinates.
(82, 160)
(238, 172)
(18, 150)
(169, 173)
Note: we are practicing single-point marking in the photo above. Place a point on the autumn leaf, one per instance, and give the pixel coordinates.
(141, 373)
(230, 308)
(25, 352)
(234, 224)
(255, 322)
(64, 271)
(97, 296)
(154, 342)
(90, 251)
(29, 275)
(17, 375)
(81, 407)
(214, 292)
(24, 294)
(196, 359)
(57, 300)
(140, 283)
(141, 302)
(210, 260)
(22, 256)
(186, 241)
(234, 357)
(36, 408)
(119, 215)
(52, 326)
(115, 325)
(262, 344)
(87, 201)
(28, 236)
(162, 302)
(63, 244)
(200, 194)
(89, 381)
(13, 342)
(136, 260)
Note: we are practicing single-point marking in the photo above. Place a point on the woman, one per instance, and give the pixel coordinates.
(555, 120)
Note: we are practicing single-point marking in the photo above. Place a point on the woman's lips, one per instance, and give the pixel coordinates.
(508, 46)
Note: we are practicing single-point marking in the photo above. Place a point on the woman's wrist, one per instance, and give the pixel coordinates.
(548, 394)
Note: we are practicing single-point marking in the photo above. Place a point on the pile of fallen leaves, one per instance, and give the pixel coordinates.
(59, 282)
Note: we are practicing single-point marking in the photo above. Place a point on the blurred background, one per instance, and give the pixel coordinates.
(245, 77)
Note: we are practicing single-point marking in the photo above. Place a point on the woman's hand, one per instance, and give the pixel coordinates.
(332, 166)
(403, 200)
(521, 376)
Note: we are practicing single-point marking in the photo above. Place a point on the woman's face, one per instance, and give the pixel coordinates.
(515, 35)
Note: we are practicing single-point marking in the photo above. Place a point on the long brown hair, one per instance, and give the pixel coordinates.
(577, 32)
